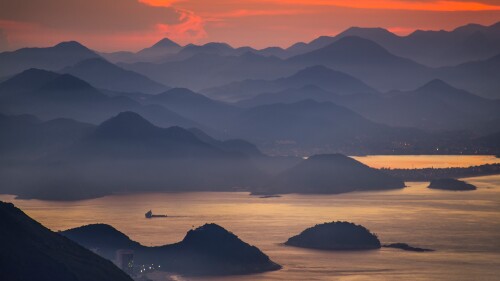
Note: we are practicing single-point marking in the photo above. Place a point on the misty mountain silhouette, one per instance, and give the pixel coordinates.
(204, 70)
(165, 43)
(195, 106)
(103, 74)
(45, 86)
(327, 79)
(69, 88)
(32, 252)
(129, 135)
(433, 48)
(124, 152)
(315, 126)
(435, 105)
(368, 61)
(159, 50)
(318, 75)
(353, 50)
(290, 96)
(26, 137)
(209, 48)
(51, 58)
(329, 174)
(335, 236)
(232, 145)
(49, 95)
(480, 77)
(206, 250)
(28, 80)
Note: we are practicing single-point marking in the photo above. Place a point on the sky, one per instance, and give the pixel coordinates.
(112, 25)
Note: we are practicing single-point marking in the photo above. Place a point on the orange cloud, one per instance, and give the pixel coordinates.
(442, 6)
(190, 29)
(159, 3)
(242, 13)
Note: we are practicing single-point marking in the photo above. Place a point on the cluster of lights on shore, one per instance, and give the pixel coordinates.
(145, 268)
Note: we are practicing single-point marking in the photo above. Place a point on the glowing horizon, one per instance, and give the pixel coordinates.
(111, 25)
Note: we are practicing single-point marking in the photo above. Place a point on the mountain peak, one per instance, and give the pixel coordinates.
(176, 94)
(347, 49)
(363, 31)
(357, 43)
(471, 28)
(165, 43)
(180, 91)
(105, 232)
(74, 45)
(208, 230)
(29, 79)
(436, 85)
(126, 124)
(313, 70)
(217, 45)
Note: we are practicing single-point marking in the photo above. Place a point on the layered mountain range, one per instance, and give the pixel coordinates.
(214, 117)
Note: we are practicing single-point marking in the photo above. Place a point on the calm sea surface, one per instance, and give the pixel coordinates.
(463, 228)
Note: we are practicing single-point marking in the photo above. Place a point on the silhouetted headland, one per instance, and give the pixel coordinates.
(330, 174)
(451, 184)
(428, 174)
(32, 252)
(336, 236)
(206, 250)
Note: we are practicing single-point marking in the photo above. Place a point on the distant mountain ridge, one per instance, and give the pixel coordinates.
(51, 58)
(50, 95)
(317, 75)
(434, 48)
(367, 61)
(103, 74)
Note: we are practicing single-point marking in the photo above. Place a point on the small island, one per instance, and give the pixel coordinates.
(451, 184)
(406, 247)
(336, 236)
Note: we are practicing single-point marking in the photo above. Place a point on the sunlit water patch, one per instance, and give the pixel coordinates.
(463, 228)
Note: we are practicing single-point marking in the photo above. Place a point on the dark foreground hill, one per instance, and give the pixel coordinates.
(206, 250)
(335, 236)
(330, 174)
(32, 252)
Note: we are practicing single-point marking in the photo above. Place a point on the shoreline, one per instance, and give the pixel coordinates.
(428, 174)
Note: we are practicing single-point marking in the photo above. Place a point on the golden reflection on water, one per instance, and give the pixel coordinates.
(426, 161)
(464, 228)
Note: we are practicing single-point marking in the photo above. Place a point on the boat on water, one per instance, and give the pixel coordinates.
(150, 215)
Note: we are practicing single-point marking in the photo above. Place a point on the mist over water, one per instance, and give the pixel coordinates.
(463, 228)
